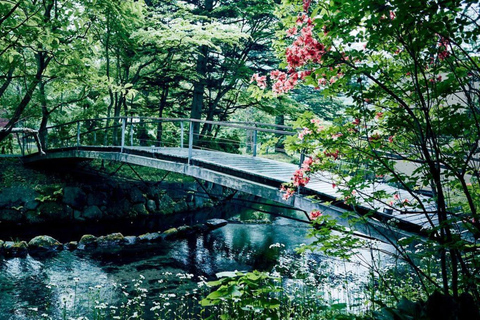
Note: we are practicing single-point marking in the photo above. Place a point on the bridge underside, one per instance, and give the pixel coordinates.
(201, 167)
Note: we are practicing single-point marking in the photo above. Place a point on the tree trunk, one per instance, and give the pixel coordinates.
(45, 114)
(161, 107)
(199, 85)
(41, 66)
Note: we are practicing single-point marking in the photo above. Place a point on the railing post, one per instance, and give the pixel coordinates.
(124, 123)
(181, 134)
(302, 158)
(190, 142)
(254, 147)
(131, 133)
(78, 134)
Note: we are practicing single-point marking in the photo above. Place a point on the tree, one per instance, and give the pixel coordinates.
(411, 69)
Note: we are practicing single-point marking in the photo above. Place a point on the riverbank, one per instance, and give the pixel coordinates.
(95, 192)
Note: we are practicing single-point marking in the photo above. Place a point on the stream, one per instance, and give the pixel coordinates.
(67, 284)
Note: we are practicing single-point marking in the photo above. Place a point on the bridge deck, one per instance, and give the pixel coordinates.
(274, 173)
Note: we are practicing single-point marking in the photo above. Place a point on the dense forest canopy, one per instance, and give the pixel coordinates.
(67, 60)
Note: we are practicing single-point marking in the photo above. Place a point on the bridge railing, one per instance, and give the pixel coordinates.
(251, 138)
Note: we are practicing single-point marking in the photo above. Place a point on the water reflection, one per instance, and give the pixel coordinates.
(74, 280)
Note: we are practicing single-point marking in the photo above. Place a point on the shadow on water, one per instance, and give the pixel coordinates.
(74, 280)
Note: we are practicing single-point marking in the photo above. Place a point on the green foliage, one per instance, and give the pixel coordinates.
(410, 71)
(247, 294)
(49, 193)
(331, 239)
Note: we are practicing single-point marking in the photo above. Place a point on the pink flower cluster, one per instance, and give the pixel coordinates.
(306, 5)
(306, 164)
(260, 80)
(288, 192)
(304, 132)
(299, 178)
(283, 82)
(315, 214)
(335, 155)
(443, 44)
(304, 49)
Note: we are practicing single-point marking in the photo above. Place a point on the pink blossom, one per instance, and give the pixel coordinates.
(305, 74)
(356, 121)
(260, 80)
(379, 115)
(306, 164)
(304, 132)
(334, 185)
(299, 179)
(288, 193)
(390, 139)
(291, 32)
(315, 214)
(306, 5)
(322, 81)
(337, 135)
(305, 49)
(301, 19)
(392, 15)
(396, 196)
(333, 155)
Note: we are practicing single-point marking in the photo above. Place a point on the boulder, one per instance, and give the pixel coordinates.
(151, 206)
(165, 204)
(15, 249)
(113, 239)
(92, 213)
(97, 199)
(31, 205)
(200, 228)
(87, 241)
(185, 231)
(140, 209)
(119, 208)
(44, 243)
(130, 240)
(74, 197)
(136, 196)
(170, 234)
(77, 215)
(216, 223)
(150, 237)
(72, 245)
(181, 206)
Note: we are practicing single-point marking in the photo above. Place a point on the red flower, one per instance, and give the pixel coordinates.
(315, 214)
(306, 5)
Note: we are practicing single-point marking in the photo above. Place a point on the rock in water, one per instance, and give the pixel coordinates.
(87, 241)
(216, 223)
(44, 243)
(113, 239)
(15, 249)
